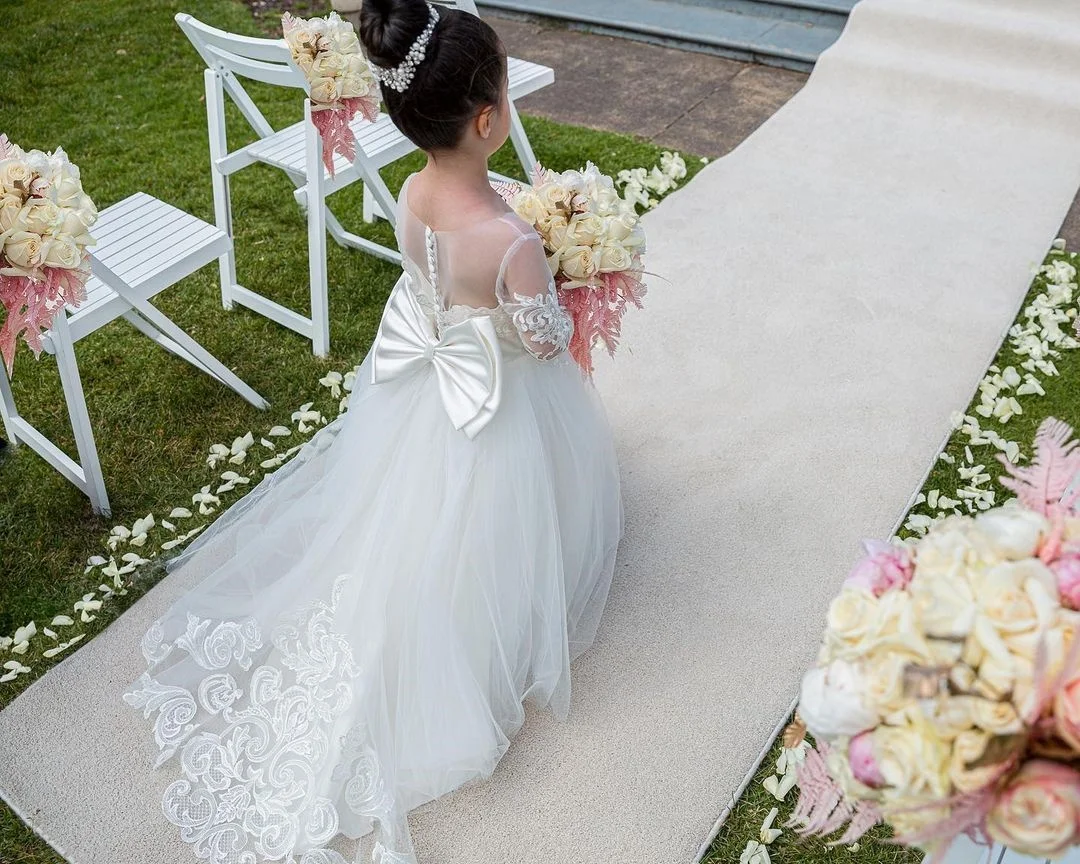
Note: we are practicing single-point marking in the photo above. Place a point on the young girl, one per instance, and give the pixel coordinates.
(368, 620)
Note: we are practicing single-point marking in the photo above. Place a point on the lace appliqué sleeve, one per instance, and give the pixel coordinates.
(526, 291)
(543, 321)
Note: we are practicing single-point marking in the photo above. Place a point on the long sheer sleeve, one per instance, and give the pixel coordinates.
(526, 290)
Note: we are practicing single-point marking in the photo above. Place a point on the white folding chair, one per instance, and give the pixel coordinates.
(297, 150)
(965, 851)
(143, 246)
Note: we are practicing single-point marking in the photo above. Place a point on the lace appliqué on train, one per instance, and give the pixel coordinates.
(249, 791)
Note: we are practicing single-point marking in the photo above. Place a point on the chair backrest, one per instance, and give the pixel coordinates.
(265, 60)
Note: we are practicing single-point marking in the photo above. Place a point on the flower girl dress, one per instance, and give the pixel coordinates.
(371, 617)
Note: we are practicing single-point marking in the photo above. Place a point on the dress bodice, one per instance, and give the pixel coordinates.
(442, 316)
(496, 268)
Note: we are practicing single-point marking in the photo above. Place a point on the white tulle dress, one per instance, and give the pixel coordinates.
(371, 617)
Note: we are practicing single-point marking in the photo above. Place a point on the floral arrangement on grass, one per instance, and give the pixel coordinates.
(340, 81)
(595, 244)
(45, 221)
(946, 697)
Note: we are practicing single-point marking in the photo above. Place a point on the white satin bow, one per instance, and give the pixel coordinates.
(467, 360)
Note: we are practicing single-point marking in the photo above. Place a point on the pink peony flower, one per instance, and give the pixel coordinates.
(864, 767)
(885, 567)
(1067, 713)
(1067, 570)
(1038, 813)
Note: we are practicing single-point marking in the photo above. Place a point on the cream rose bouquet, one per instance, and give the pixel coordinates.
(595, 244)
(340, 81)
(946, 696)
(45, 221)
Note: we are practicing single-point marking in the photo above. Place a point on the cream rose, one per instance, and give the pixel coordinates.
(1017, 596)
(12, 214)
(913, 759)
(358, 66)
(529, 206)
(325, 91)
(75, 224)
(614, 259)
(553, 197)
(305, 61)
(1013, 531)
(620, 226)
(42, 216)
(944, 602)
(353, 86)
(553, 229)
(23, 249)
(852, 616)
(1038, 814)
(578, 262)
(15, 175)
(883, 677)
(62, 252)
(968, 748)
(585, 229)
(996, 718)
(328, 65)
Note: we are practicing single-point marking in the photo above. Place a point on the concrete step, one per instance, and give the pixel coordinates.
(790, 33)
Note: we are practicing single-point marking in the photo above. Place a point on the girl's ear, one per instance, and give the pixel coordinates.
(485, 121)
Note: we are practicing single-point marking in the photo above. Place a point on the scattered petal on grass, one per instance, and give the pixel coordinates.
(62, 621)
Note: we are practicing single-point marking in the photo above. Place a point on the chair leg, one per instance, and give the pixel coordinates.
(94, 482)
(7, 407)
(316, 220)
(371, 208)
(172, 338)
(219, 148)
(521, 143)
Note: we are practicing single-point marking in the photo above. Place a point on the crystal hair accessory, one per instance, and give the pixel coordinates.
(400, 77)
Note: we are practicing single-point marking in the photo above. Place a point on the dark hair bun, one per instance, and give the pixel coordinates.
(388, 28)
(463, 70)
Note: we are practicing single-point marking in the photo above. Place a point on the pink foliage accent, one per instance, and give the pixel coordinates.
(1041, 485)
(31, 303)
(507, 189)
(966, 815)
(334, 129)
(822, 808)
(597, 310)
(7, 147)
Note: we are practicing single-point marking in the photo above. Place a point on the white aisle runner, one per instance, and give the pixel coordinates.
(837, 285)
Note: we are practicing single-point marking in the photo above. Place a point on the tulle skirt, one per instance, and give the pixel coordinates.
(372, 616)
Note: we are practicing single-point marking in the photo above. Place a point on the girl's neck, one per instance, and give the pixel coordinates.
(459, 173)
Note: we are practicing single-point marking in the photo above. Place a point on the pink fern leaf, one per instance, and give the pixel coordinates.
(1041, 485)
(865, 816)
(7, 148)
(507, 189)
(821, 800)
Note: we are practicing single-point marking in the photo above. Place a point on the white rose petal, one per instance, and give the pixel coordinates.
(831, 702)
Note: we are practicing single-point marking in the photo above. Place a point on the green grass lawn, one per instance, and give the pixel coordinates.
(116, 84)
(1062, 400)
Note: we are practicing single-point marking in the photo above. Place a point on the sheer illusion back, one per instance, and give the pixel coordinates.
(496, 267)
